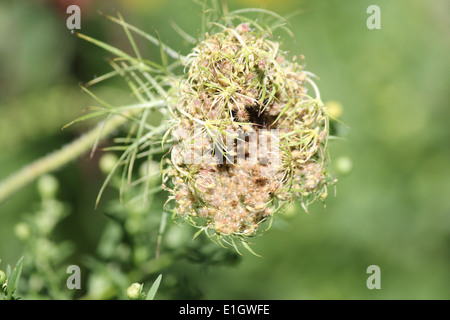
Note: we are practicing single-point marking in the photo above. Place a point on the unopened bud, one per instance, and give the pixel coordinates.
(134, 292)
(344, 165)
(2, 279)
(47, 186)
(107, 162)
(22, 231)
(334, 109)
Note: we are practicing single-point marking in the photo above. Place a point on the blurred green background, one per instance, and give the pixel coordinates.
(392, 209)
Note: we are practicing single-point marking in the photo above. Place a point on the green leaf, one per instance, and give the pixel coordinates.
(8, 271)
(106, 47)
(86, 117)
(13, 279)
(246, 246)
(161, 50)
(258, 10)
(172, 53)
(152, 292)
(197, 234)
(130, 38)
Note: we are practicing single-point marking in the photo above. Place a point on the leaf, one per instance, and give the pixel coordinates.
(8, 271)
(130, 38)
(182, 33)
(152, 292)
(85, 117)
(172, 53)
(197, 234)
(13, 279)
(285, 108)
(106, 47)
(161, 50)
(246, 246)
(258, 10)
(110, 175)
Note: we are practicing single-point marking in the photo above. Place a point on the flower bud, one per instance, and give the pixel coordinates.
(22, 231)
(134, 292)
(344, 165)
(3, 279)
(107, 162)
(47, 186)
(334, 109)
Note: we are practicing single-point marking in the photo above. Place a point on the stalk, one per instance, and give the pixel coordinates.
(59, 158)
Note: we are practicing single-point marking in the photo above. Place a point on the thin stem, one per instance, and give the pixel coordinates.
(59, 158)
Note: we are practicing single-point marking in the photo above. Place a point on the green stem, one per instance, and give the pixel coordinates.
(59, 158)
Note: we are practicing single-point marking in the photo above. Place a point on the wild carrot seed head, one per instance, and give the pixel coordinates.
(239, 83)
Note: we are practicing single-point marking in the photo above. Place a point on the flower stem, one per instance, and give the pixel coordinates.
(59, 158)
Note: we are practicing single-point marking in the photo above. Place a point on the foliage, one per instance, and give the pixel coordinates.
(9, 281)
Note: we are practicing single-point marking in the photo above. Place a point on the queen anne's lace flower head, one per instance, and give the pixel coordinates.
(250, 137)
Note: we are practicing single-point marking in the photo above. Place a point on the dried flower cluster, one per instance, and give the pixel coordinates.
(240, 87)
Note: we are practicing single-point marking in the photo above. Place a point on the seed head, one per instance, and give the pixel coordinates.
(240, 88)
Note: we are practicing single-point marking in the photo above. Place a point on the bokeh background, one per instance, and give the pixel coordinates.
(392, 209)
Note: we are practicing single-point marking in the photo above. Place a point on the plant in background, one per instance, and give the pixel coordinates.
(44, 274)
(9, 281)
(130, 249)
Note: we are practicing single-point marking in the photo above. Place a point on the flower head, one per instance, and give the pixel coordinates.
(250, 137)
